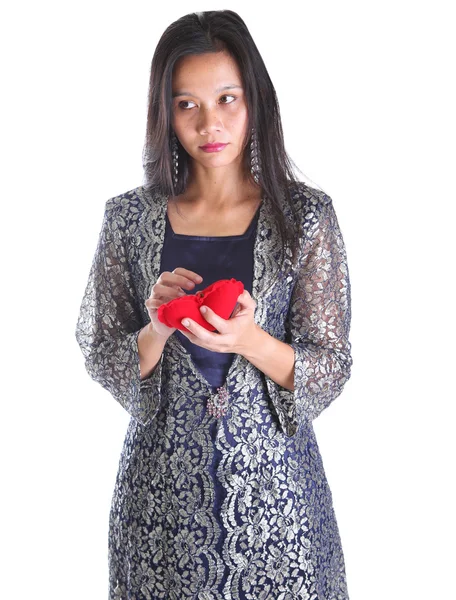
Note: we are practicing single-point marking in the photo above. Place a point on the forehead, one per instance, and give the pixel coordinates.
(210, 70)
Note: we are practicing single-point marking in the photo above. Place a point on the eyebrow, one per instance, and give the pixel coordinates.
(230, 86)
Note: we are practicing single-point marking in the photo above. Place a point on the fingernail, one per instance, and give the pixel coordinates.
(185, 323)
(204, 309)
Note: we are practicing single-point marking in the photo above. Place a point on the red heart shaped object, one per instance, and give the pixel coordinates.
(221, 296)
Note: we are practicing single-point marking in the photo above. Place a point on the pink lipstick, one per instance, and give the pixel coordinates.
(213, 147)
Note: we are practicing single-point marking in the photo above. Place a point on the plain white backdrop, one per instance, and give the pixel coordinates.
(367, 98)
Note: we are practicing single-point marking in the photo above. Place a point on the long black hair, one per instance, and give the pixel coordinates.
(209, 32)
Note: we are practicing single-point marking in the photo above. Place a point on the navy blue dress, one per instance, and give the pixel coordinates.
(240, 502)
(213, 258)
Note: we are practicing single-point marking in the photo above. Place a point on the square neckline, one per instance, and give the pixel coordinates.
(213, 238)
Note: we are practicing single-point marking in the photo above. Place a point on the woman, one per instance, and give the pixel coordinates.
(235, 503)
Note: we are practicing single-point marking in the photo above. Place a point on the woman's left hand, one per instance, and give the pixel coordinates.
(235, 334)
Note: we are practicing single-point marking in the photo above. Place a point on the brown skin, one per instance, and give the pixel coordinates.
(168, 287)
(205, 115)
(240, 327)
(217, 192)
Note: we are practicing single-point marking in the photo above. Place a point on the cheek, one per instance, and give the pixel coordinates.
(176, 122)
(183, 130)
(180, 120)
(184, 120)
(241, 130)
(237, 120)
(241, 111)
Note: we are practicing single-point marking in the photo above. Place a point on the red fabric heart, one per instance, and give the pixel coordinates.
(221, 296)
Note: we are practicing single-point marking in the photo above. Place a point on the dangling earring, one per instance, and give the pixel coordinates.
(255, 165)
(175, 155)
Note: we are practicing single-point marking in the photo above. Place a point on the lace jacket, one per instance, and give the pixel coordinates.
(276, 535)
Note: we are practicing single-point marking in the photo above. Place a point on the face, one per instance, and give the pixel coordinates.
(209, 107)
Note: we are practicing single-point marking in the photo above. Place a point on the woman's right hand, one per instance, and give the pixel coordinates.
(168, 287)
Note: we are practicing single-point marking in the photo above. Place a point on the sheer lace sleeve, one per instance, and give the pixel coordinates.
(108, 326)
(318, 322)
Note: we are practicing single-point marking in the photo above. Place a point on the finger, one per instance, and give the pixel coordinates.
(173, 282)
(188, 330)
(246, 300)
(214, 319)
(165, 292)
(198, 332)
(196, 277)
(155, 303)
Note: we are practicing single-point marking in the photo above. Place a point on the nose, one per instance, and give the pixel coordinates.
(209, 121)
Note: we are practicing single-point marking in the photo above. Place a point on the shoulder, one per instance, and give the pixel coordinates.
(311, 204)
(126, 209)
(306, 197)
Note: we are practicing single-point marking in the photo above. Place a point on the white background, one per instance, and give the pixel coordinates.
(367, 98)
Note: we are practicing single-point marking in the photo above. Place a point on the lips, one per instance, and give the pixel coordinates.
(212, 146)
(221, 296)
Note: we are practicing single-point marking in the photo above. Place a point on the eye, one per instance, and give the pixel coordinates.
(189, 101)
(228, 96)
(183, 102)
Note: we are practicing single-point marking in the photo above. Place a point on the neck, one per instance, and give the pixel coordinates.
(218, 188)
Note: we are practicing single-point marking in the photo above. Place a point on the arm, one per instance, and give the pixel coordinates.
(317, 324)
(150, 348)
(273, 357)
(109, 325)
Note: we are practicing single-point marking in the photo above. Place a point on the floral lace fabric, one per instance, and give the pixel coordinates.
(275, 535)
